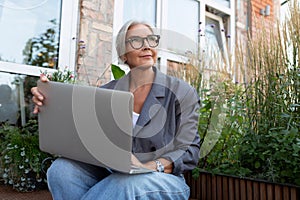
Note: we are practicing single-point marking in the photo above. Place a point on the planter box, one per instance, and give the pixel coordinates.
(220, 187)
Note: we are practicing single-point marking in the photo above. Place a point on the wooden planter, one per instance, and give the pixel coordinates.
(220, 187)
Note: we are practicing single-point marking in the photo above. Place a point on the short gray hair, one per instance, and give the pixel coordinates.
(121, 37)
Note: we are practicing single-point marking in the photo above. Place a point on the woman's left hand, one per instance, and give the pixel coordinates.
(135, 161)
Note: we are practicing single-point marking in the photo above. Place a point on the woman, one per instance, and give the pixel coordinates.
(165, 137)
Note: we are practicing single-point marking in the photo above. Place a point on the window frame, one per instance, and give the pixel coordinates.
(67, 44)
(225, 53)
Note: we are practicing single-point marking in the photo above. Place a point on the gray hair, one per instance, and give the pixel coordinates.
(121, 37)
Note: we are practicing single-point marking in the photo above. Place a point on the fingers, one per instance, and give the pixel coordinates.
(44, 78)
(37, 96)
(36, 110)
(37, 99)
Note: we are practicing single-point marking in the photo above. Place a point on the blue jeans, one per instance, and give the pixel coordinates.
(72, 180)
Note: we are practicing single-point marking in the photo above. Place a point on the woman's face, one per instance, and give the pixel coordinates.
(139, 57)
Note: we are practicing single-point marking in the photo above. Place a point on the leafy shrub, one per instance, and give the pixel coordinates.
(21, 158)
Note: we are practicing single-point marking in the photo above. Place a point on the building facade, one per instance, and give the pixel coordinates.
(79, 35)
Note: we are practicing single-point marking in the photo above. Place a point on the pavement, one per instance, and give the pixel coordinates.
(8, 193)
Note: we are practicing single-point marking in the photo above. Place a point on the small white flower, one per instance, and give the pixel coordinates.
(21, 166)
(22, 153)
(5, 175)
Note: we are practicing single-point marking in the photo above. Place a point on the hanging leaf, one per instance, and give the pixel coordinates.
(117, 71)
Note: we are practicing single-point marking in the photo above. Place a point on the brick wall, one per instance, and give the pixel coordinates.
(258, 20)
(250, 21)
(95, 36)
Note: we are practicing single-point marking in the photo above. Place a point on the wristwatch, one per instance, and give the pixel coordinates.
(159, 166)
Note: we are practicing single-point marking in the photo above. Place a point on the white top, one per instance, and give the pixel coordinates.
(135, 117)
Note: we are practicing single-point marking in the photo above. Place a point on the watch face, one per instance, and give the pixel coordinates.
(159, 166)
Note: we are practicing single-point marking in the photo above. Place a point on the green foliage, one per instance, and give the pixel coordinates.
(227, 112)
(21, 158)
(248, 146)
(274, 156)
(260, 137)
(117, 71)
(64, 76)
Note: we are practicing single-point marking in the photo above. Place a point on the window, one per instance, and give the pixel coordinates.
(37, 35)
(181, 26)
(139, 11)
(215, 47)
(29, 35)
(15, 100)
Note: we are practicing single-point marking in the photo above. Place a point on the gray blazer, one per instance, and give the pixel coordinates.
(168, 123)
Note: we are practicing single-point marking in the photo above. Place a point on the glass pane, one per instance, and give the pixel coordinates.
(214, 48)
(30, 32)
(16, 105)
(182, 25)
(224, 2)
(141, 10)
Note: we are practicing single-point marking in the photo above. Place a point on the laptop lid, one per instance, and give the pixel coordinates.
(87, 124)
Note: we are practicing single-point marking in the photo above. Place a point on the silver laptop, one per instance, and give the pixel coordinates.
(88, 124)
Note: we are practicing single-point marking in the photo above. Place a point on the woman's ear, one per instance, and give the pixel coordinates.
(123, 58)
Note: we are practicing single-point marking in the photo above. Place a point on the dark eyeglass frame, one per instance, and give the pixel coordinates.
(130, 41)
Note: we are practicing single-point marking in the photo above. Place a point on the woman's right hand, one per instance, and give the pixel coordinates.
(37, 96)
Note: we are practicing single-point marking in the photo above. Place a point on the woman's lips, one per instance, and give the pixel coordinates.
(146, 56)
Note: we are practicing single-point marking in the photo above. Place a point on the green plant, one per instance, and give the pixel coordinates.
(261, 135)
(64, 76)
(21, 157)
(21, 160)
(117, 71)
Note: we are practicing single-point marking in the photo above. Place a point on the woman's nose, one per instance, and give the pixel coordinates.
(146, 44)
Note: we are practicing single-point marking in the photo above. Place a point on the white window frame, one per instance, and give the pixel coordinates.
(67, 44)
(221, 26)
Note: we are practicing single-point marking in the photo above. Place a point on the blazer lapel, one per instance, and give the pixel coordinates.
(153, 102)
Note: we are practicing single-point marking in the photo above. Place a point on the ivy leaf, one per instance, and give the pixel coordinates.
(117, 71)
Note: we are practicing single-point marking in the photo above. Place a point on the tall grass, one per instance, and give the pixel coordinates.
(260, 137)
(273, 63)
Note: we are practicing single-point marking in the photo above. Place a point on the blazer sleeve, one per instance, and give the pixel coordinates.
(186, 144)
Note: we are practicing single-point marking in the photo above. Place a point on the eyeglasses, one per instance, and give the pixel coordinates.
(137, 42)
